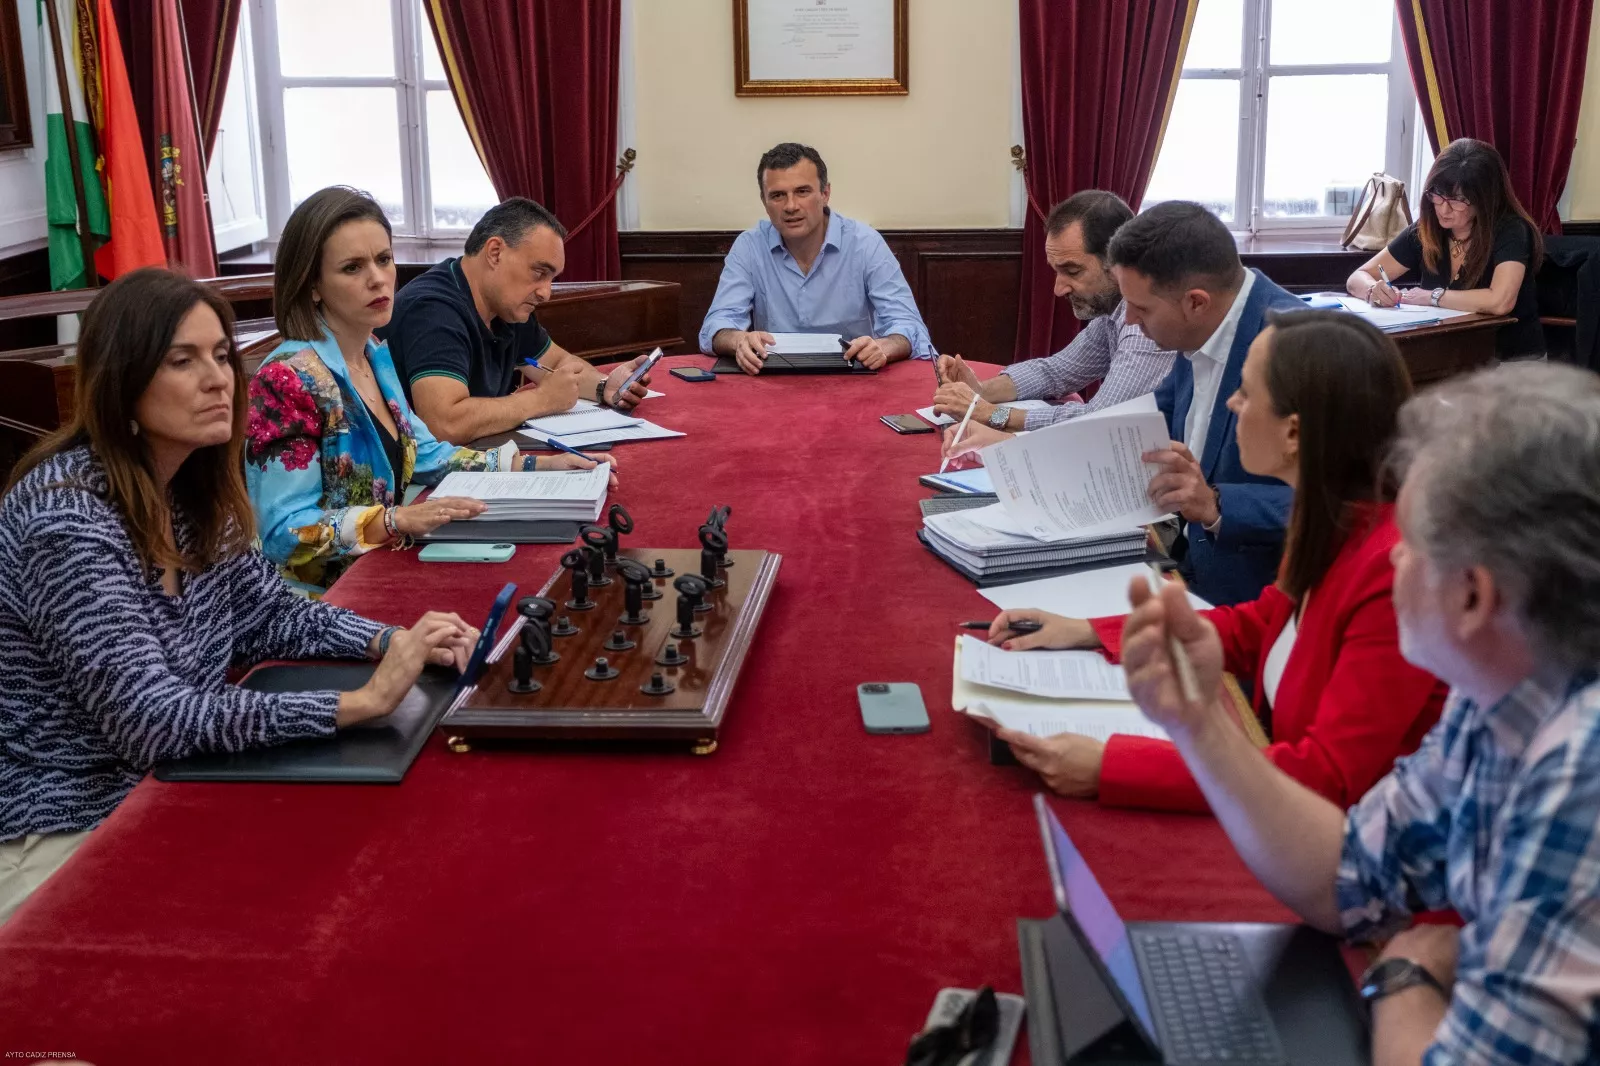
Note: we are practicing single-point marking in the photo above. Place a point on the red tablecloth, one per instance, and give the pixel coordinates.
(797, 897)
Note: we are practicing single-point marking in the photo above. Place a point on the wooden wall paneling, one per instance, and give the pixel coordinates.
(20, 274)
(967, 282)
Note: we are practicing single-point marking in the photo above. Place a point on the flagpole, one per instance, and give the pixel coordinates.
(73, 157)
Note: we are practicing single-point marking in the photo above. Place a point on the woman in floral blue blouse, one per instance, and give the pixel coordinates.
(332, 443)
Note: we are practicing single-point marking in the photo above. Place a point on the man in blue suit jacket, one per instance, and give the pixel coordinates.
(1184, 285)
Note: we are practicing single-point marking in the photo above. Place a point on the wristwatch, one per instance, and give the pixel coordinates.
(1438, 294)
(1388, 976)
(999, 418)
(600, 393)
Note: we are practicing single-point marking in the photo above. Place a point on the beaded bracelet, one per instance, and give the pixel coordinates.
(390, 526)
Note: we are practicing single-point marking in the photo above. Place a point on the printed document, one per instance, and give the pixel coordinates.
(1082, 477)
(1089, 594)
(1082, 675)
(806, 344)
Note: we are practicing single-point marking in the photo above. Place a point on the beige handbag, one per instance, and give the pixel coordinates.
(1380, 216)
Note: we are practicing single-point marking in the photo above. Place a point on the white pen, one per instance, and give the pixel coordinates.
(1188, 683)
(961, 430)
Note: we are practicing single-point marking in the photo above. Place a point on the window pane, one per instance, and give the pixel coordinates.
(1325, 138)
(462, 191)
(1353, 31)
(1200, 154)
(345, 137)
(1214, 40)
(346, 38)
(432, 65)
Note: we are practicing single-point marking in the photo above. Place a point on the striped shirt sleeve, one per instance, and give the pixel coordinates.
(1125, 362)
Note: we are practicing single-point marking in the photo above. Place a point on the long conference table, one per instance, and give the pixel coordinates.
(797, 896)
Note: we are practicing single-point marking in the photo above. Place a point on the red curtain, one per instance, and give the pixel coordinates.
(536, 83)
(209, 28)
(1507, 72)
(1097, 83)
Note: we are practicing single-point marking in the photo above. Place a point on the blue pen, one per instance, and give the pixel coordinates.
(558, 446)
(533, 361)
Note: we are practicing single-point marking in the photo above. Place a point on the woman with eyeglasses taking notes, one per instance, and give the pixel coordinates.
(1472, 248)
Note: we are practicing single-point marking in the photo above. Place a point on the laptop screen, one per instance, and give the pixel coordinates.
(1079, 895)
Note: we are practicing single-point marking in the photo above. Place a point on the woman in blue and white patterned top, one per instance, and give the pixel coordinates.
(129, 585)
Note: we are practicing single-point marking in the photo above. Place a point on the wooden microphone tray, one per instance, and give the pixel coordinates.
(570, 706)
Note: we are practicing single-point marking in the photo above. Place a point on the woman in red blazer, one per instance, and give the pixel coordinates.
(1315, 407)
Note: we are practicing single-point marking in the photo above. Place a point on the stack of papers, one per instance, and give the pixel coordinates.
(806, 344)
(639, 429)
(1069, 494)
(581, 420)
(1389, 319)
(1097, 593)
(1045, 693)
(586, 424)
(986, 542)
(532, 496)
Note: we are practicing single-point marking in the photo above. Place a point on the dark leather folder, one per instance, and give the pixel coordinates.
(376, 752)
(819, 363)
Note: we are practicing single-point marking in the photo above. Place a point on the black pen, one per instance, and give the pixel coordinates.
(1022, 625)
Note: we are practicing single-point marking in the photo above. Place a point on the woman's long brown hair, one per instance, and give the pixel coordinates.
(127, 332)
(1347, 381)
(1472, 171)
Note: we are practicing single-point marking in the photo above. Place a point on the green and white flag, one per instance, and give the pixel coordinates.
(67, 268)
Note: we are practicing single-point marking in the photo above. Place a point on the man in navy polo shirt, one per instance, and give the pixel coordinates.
(464, 335)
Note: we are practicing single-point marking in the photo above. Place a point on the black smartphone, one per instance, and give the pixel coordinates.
(906, 424)
(693, 373)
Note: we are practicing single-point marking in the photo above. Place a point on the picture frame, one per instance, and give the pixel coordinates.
(16, 125)
(820, 47)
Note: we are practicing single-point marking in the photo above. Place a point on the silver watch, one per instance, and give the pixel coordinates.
(1438, 294)
(999, 417)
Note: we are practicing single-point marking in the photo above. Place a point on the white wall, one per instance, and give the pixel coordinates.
(1582, 199)
(939, 157)
(22, 225)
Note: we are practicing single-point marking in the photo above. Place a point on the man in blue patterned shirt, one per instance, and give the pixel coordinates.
(1497, 815)
(1108, 349)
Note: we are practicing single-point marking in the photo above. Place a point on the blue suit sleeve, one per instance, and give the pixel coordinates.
(1253, 514)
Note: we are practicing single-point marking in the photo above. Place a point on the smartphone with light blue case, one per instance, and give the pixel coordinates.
(467, 553)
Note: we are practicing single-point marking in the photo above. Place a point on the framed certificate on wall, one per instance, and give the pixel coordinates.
(819, 47)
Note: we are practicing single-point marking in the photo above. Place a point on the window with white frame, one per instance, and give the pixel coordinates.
(353, 92)
(1284, 109)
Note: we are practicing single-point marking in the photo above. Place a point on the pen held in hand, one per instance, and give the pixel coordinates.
(1020, 627)
(961, 430)
(1188, 683)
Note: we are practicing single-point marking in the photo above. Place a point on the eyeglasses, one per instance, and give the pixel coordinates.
(1439, 199)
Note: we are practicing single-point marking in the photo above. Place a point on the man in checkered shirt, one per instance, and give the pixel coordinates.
(1497, 815)
(1109, 350)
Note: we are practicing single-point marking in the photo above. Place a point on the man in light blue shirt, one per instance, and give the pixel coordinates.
(809, 270)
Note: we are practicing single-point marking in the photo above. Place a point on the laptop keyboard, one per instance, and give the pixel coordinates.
(1205, 1006)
